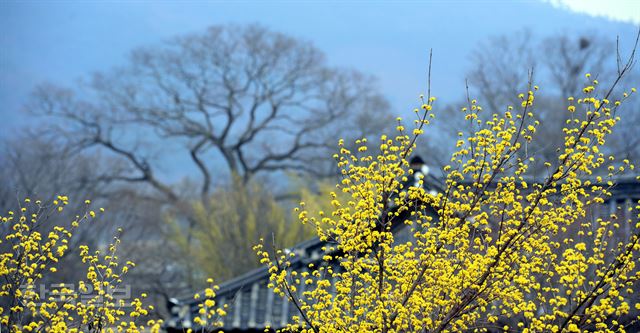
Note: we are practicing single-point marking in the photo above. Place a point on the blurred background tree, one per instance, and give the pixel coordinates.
(233, 100)
(498, 71)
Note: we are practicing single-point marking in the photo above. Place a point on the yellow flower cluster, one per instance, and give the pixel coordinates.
(494, 247)
(210, 315)
(30, 255)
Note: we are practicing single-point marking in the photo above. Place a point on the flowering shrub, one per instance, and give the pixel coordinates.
(495, 250)
(210, 315)
(30, 301)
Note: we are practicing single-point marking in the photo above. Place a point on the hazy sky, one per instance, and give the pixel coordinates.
(60, 41)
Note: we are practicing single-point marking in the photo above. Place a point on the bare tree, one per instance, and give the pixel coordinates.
(239, 100)
(500, 67)
(567, 58)
(501, 64)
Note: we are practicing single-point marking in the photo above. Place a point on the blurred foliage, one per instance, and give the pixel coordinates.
(219, 234)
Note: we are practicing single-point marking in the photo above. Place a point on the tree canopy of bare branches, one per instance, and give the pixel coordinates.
(237, 100)
(501, 64)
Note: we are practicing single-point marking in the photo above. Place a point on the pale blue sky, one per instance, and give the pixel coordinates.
(60, 41)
